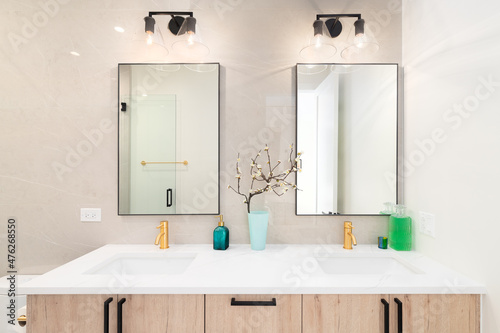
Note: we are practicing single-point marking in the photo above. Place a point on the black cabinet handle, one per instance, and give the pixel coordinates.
(234, 302)
(169, 197)
(106, 314)
(119, 316)
(400, 314)
(386, 315)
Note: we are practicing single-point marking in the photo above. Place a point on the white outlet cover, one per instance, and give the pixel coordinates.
(90, 214)
(427, 224)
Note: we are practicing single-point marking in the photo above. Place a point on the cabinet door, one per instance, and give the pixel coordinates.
(253, 313)
(162, 313)
(344, 313)
(440, 313)
(69, 313)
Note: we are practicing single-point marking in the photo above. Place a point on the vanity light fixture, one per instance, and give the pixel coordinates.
(321, 46)
(183, 26)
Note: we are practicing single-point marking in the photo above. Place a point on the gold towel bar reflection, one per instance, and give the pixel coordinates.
(184, 162)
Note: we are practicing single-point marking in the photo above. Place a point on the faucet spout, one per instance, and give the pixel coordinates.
(160, 235)
(354, 242)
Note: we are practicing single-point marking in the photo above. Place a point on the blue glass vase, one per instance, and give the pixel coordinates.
(257, 223)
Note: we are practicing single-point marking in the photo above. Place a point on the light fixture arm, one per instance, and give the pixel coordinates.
(320, 16)
(171, 13)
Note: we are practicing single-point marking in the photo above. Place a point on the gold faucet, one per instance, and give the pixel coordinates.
(349, 239)
(162, 237)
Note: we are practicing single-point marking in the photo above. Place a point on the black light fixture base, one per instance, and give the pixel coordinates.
(333, 23)
(334, 27)
(174, 25)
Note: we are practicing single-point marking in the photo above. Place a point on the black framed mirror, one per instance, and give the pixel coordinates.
(347, 129)
(168, 142)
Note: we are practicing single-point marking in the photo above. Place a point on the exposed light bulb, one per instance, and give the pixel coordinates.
(119, 29)
(360, 41)
(149, 39)
(191, 38)
(317, 40)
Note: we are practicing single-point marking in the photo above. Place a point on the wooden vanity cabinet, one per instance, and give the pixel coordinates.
(440, 313)
(253, 313)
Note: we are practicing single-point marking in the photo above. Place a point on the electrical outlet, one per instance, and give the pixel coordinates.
(427, 224)
(90, 215)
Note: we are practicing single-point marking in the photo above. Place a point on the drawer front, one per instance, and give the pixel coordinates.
(253, 313)
(345, 313)
(70, 313)
(439, 313)
(162, 313)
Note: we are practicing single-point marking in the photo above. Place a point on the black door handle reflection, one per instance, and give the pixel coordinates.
(169, 197)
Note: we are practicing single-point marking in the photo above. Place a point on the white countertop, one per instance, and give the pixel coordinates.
(5, 285)
(279, 269)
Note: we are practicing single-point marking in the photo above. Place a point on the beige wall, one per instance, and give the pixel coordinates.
(60, 110)
(452, 89)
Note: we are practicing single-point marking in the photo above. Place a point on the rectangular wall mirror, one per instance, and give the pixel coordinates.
(347, 118)
(168, 141)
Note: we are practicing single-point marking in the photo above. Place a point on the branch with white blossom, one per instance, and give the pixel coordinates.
(273, 181)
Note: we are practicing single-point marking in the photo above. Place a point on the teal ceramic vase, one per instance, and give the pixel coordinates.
(257, 223)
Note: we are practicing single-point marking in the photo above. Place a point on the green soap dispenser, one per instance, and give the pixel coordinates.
(221, 236)
(400, 235)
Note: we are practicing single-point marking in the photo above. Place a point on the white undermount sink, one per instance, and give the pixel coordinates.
(144, 264)
(380, 265)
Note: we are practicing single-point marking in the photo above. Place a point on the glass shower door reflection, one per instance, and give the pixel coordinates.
(152, 152)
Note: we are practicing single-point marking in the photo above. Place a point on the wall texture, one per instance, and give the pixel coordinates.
(452, 93)
(58, 115)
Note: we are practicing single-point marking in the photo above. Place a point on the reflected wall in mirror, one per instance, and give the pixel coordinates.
(347, 131)
(168, 139)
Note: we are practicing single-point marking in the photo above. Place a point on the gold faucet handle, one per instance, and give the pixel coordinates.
(163, 224)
